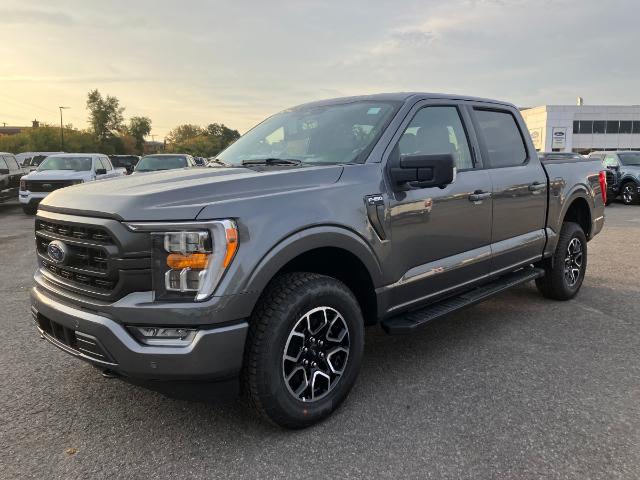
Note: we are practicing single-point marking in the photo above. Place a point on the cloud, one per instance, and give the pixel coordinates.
(30, 17)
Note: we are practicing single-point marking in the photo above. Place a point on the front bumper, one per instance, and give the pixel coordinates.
(215, 353)
(27, 197)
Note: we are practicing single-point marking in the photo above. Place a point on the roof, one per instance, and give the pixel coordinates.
(75, 154)
(398, 97)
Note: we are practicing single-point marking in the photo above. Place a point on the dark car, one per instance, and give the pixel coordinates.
(128, 162)
(623, 177)
(10, 173)
(391, 209)
(164, 161)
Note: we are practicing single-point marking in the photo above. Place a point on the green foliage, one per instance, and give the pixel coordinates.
(105, 115)
(202, 142)
(47, 139)
(139, 127)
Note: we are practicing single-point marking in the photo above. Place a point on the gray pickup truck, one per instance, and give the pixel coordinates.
(259, 273)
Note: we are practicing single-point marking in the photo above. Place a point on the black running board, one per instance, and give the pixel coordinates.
(412, 320)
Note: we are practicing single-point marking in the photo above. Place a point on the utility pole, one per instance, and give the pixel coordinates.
(62, 129)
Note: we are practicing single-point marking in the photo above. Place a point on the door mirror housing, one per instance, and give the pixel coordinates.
(422, 171)
(4, 171)
(101, 171)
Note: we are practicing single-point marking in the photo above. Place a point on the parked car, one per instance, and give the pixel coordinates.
(128, 162)
(200, 161)
(164, 161)
(393, 209)
(624, 174)
(26, 159)
(63, 170)
(10, 173)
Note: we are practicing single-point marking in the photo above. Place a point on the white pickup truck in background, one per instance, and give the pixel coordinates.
(63, 170)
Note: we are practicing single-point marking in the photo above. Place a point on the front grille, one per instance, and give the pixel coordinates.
(47, 185)
(611, 178)
(80, 343)
(94, 263)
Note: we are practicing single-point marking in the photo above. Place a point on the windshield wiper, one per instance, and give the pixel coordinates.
(272, 161)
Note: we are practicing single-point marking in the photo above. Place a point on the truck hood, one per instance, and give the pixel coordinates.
(57, 175)
(172, 195)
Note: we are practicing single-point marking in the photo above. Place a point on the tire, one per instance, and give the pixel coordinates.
(288, 315)
(29, 209)
(566, 269)
(629, 193)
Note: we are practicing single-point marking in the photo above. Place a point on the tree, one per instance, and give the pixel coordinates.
(183, 133)
(105, 115)
(225, 134)
(139, 127)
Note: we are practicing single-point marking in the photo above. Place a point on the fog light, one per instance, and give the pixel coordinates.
(164, 336)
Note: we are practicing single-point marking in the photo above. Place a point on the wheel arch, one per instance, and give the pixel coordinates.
(328, 250)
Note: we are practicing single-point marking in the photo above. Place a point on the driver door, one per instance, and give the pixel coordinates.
(441, 236)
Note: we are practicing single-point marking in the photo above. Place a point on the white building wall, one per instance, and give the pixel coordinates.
(544, 118)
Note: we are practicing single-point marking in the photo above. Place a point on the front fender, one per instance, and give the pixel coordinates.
(310, 239)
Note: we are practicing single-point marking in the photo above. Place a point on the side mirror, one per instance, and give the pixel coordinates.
(4, 171)
(614, 167)
(422, 171)
(101, 171)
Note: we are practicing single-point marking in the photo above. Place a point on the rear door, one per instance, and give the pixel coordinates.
(519, 187)
(15, 172)
(440, 236)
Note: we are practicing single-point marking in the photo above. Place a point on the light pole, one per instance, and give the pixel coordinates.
(62, 129)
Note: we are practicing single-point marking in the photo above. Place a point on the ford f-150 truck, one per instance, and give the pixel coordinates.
(261, 273)
(62, 170)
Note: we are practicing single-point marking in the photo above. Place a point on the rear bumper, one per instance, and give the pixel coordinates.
(214, 354)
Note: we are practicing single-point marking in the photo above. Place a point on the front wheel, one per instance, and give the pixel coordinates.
(564, 272)
(304, 349)
(629, 193)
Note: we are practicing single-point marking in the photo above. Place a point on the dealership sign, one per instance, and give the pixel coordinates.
(559, 137)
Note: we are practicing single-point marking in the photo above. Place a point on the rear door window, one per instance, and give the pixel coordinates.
(502, 138)
(3, 164)
(11, 162)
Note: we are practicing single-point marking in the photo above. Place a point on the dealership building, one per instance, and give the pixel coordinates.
(583, 128)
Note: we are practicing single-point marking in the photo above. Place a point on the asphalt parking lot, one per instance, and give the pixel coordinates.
(517, 387)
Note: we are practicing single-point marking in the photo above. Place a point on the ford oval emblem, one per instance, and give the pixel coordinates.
(57, 252)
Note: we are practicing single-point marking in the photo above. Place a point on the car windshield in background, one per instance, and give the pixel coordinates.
(341, 133)
(124, 162)
(150, 164)
(79, 164)
(629, 158)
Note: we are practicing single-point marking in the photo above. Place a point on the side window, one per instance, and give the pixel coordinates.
(99, 164)
(107, 164)
(437, 130)
(502, 138)
(11, 162)
(3, 164)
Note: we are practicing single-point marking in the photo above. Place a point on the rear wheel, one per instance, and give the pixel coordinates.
(304, 349)
(564, 273)
(629, 193)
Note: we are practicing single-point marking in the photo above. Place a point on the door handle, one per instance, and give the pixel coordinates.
(479, 195)
(537, 186)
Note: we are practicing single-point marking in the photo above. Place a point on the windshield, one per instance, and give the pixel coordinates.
(151, 163)
(630, 158)
(120, 162)
(315, 134)
(79, 164)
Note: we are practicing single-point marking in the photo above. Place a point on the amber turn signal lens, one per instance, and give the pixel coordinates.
(177, 261)
(232, 246)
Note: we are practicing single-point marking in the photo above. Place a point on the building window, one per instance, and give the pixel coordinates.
(599, 126)
(613, 126)
(636, 126)
(625, 126)
(586, 126)
(576, 126)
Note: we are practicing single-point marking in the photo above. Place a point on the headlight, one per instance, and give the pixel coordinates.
(23, 185)
(189, 259)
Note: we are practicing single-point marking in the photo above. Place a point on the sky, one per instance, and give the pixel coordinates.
(236, 62)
